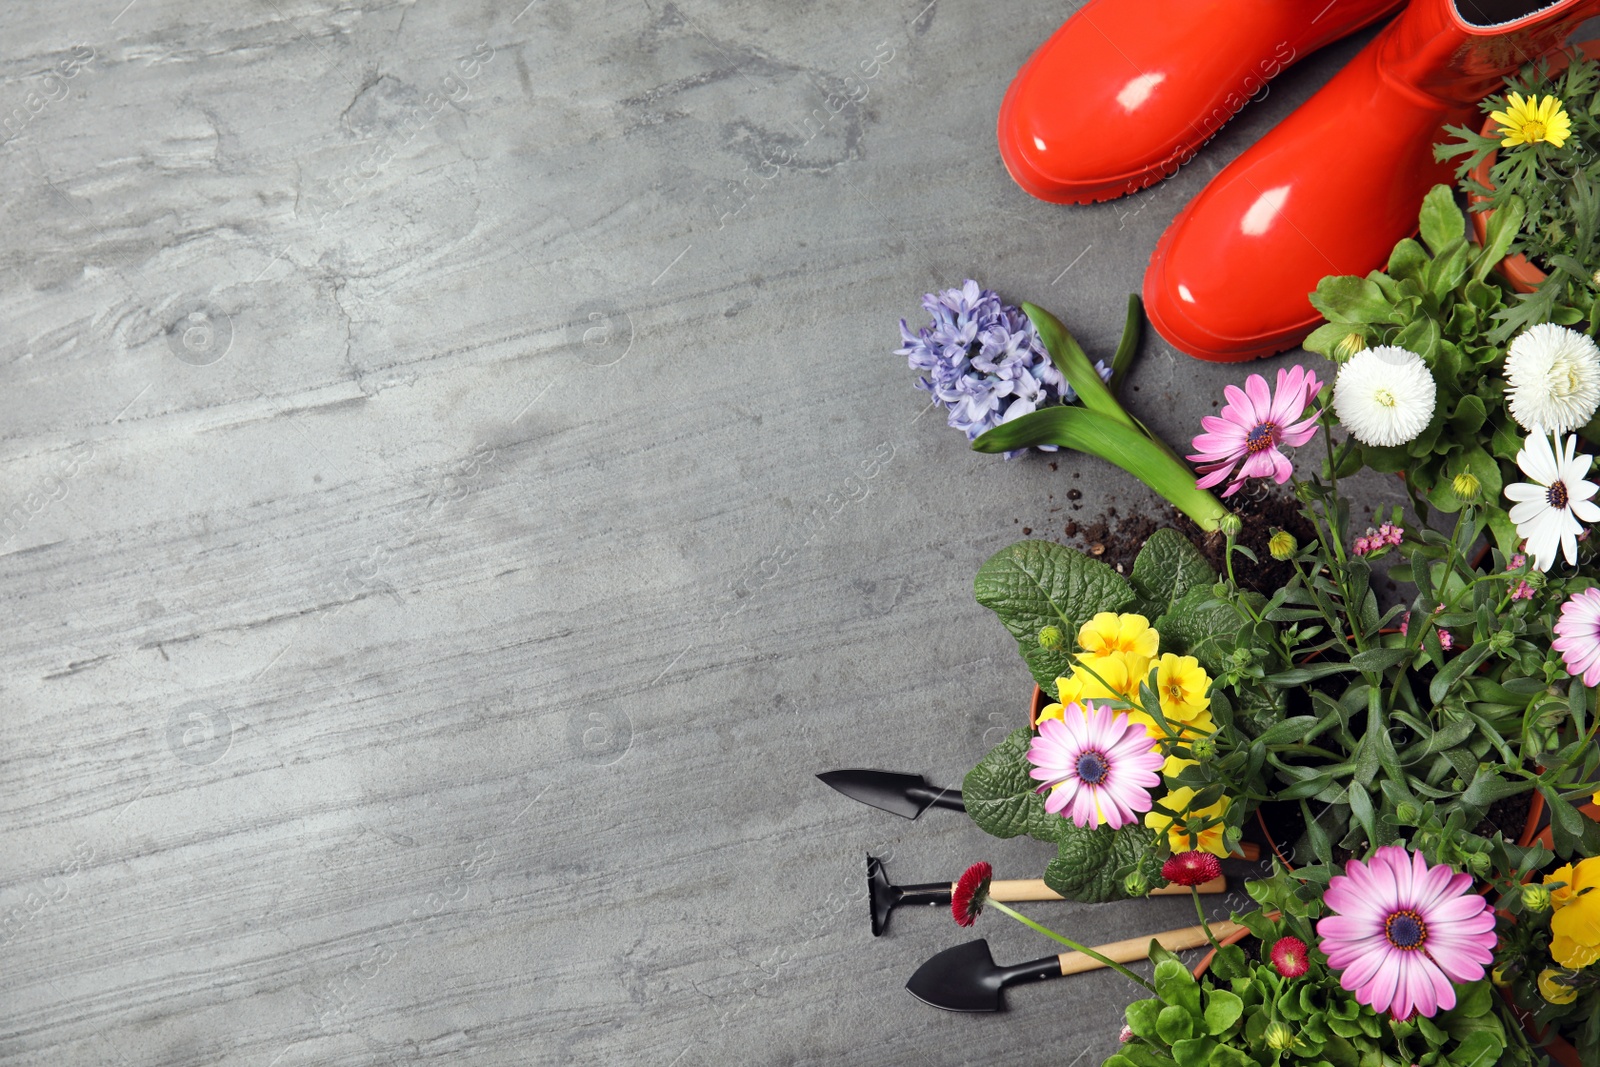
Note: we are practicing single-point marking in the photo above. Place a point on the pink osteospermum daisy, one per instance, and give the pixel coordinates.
(971, 893)
(1097, 764)
(1252, 425)
(1405, 932)
(1290, 957)
(1578, 635)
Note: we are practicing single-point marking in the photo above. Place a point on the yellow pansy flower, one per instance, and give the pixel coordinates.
(1538, 118)
(1181, 685)
(1575, 927)
(1109, 633)
(1178, 835)
(1554, 990)
(1560, 898)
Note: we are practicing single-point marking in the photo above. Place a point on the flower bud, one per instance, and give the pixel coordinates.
(1278, 1036)
(1500, 977)
(1052, 638)
(1231, 525)
(1136, 884)
(1466, 485)
(1501, 640)
(1349, 345)
(1554, 986)
(1283, 545)
(1535, 897)
(1477, 863)
(1203, 748)
(1407, 812)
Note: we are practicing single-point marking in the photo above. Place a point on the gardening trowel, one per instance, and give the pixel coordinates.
(966, 978)
(907, 795)
(883, 897)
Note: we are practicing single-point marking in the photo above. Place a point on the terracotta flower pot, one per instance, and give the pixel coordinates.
(1519, 273)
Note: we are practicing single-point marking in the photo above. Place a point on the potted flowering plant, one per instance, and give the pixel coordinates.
(1382, 962)
(1535, 158)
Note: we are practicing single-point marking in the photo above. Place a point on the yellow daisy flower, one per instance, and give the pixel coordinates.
(1538, 118)
(1109, 633)
(1178, 835)
(1182, 685)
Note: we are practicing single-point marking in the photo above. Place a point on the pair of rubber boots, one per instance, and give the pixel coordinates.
(1128, 90)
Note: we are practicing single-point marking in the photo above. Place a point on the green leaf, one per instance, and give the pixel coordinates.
(1209, 634)
(1222, 1011)
(1128, 347)
(1091, 865)
(1195, 1052)
(1565, 821)
(1127, 446)
(1142, 1015)
(1442, 222)
(1167, 567)
(1361, 810)
(1176, 986)
(1347, 298)
(998, 793)
(1379, 659)
(1174, 1025)
(1034, 584)
(1071, 360)
(1408, 260)
(1502, 231)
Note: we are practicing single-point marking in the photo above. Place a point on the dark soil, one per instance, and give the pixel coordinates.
(1283, 823)
(1509, 815)
(1116, 539)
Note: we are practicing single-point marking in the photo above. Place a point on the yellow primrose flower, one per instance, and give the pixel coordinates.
(1178, 836)
(1554, 990)
(1181, 686)
(1111, 676)
(1575, 927)
(1175, 766)
(1538, 118)
(1108, 633)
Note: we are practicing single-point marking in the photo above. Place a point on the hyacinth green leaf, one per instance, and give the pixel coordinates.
(1168, 567)
(1128, 347)
(1034, 584)
(1123, 444)
(1071, 360)
(1091, 865)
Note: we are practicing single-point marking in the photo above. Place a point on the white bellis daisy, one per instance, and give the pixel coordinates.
(1384, 396)
(1553, 378)
(1550, 511)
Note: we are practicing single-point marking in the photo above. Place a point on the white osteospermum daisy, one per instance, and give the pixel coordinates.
(1384, 396)
(1550, 511)
(1553, 378)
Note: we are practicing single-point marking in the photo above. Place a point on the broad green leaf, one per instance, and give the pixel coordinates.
(1408, 260)
(1195, 1052)
(1174, 1024)
(1347, 298)
(1222, 1010)
(998, 793)
(1175, 985)
(1209, 634)
(1167, 567)
(1091, 865)
(1126, 445)
(1442, 222)
(1034, 584)
(1501, 232)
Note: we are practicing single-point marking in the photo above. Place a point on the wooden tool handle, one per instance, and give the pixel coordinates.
(1249, 850)
(1012, 890)
(1138, 948)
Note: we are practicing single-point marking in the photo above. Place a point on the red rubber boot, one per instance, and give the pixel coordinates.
(1331, 189)
(1126, 91)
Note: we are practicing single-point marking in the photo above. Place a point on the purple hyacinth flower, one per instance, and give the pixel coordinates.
(983, 360)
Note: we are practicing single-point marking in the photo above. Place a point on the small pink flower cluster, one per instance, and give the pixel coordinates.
(1384, 536)
(1523, 591)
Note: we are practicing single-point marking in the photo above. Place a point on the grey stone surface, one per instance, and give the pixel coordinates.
(405, 406)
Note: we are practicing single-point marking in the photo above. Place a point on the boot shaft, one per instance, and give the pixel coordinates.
(1455, 52)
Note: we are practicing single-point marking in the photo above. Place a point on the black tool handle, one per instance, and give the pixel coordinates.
(924, 893)
(1037, 970)
(949, 799)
